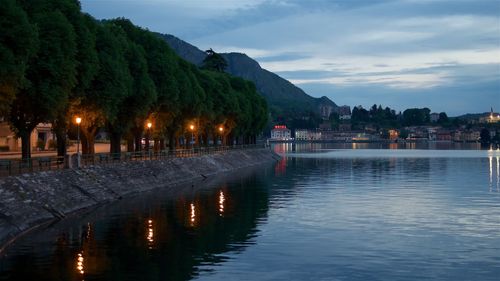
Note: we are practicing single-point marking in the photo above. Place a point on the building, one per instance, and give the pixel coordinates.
(307, 135)
(344, 112)
(444, 135)
(40, 137)
(393, 134)
(345, 127)
(281, 132)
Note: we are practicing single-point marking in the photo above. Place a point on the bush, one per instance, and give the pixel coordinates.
(4, 148)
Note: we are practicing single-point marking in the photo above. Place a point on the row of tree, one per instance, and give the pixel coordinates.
(57, 63)
(388, 118)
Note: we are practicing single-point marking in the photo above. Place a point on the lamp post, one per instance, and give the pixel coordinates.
(191, 127)
(221, 130)
(149, 125)
(78, 121)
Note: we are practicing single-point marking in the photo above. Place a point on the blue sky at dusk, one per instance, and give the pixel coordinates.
(402, 53)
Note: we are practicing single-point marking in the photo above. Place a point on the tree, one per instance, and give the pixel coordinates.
(416, 116)
(88, 65)
(214, 61)
(51, 74)
(140, 100)
(485, 136)
(162, 68)
(443, 118)
(18, 43)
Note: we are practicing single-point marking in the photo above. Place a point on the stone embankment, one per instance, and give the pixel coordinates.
(29, 200)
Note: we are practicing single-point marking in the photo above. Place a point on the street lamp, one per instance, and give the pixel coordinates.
(221, 130)
(78, 121)
(191, 127)
(149, 125)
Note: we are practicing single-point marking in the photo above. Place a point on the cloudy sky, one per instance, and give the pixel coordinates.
(442, 54)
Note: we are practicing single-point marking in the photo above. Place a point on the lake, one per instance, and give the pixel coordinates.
(428, 211)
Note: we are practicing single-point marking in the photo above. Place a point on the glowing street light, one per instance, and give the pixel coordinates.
(221, 131)
(148, 125)
(191, 127)
(78, 121)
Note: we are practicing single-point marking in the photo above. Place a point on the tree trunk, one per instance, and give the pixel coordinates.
(115, 143)
(146, 143)
(156, 145)
(61, 143)
(138, 144)
(91, 145)
(85, 146)
(25, 144)
(130, 144)
(171, 141)
(88, 141)
(205, 138)
(162, 144)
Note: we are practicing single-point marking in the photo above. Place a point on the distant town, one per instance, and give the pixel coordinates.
(379, 124)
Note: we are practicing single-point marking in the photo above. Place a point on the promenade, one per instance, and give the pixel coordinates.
(12, 164)
(99, 148)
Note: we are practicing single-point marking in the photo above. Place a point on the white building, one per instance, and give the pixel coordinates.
(281, 132)
(344, 112)
(307, 135)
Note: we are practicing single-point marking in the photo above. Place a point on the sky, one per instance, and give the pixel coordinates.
(441, 54)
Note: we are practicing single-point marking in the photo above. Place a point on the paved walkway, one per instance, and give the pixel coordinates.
(99, 148)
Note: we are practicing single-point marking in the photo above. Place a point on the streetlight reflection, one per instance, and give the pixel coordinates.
(150, 234)
(222, 199)
(79, 263)
(193, 214)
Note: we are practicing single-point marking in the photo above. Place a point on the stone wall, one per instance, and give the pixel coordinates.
(28, 200)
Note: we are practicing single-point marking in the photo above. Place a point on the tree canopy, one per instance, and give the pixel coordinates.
(58, 63)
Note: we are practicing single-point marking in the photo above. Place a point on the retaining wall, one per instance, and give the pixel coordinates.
(29, 200)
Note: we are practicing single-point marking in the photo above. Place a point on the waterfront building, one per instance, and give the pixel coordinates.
(444, 135)
(393, 134)
(344, 112)
(307, 135)
(40, 137)
(281, 132)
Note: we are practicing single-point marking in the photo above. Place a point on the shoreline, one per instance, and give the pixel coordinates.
(30, 201)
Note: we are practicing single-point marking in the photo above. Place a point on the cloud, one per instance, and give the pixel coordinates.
(401, 81)
(319, 44)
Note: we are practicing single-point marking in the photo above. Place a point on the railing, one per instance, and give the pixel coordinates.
(20, 166)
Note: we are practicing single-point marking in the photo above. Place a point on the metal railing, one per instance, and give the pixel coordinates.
(19, 166)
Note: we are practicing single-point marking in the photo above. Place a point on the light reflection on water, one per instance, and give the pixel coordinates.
(321, 213)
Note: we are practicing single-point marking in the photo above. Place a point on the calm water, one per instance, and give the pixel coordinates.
(324, 212)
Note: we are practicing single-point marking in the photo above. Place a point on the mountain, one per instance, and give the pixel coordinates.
(282, 96)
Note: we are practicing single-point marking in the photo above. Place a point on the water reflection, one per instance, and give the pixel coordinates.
(150, 234)
(283, 148)
(79, 263)
(222, 199)
(149, 241)
(396, 218)
(494, 166)
(193, 214)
